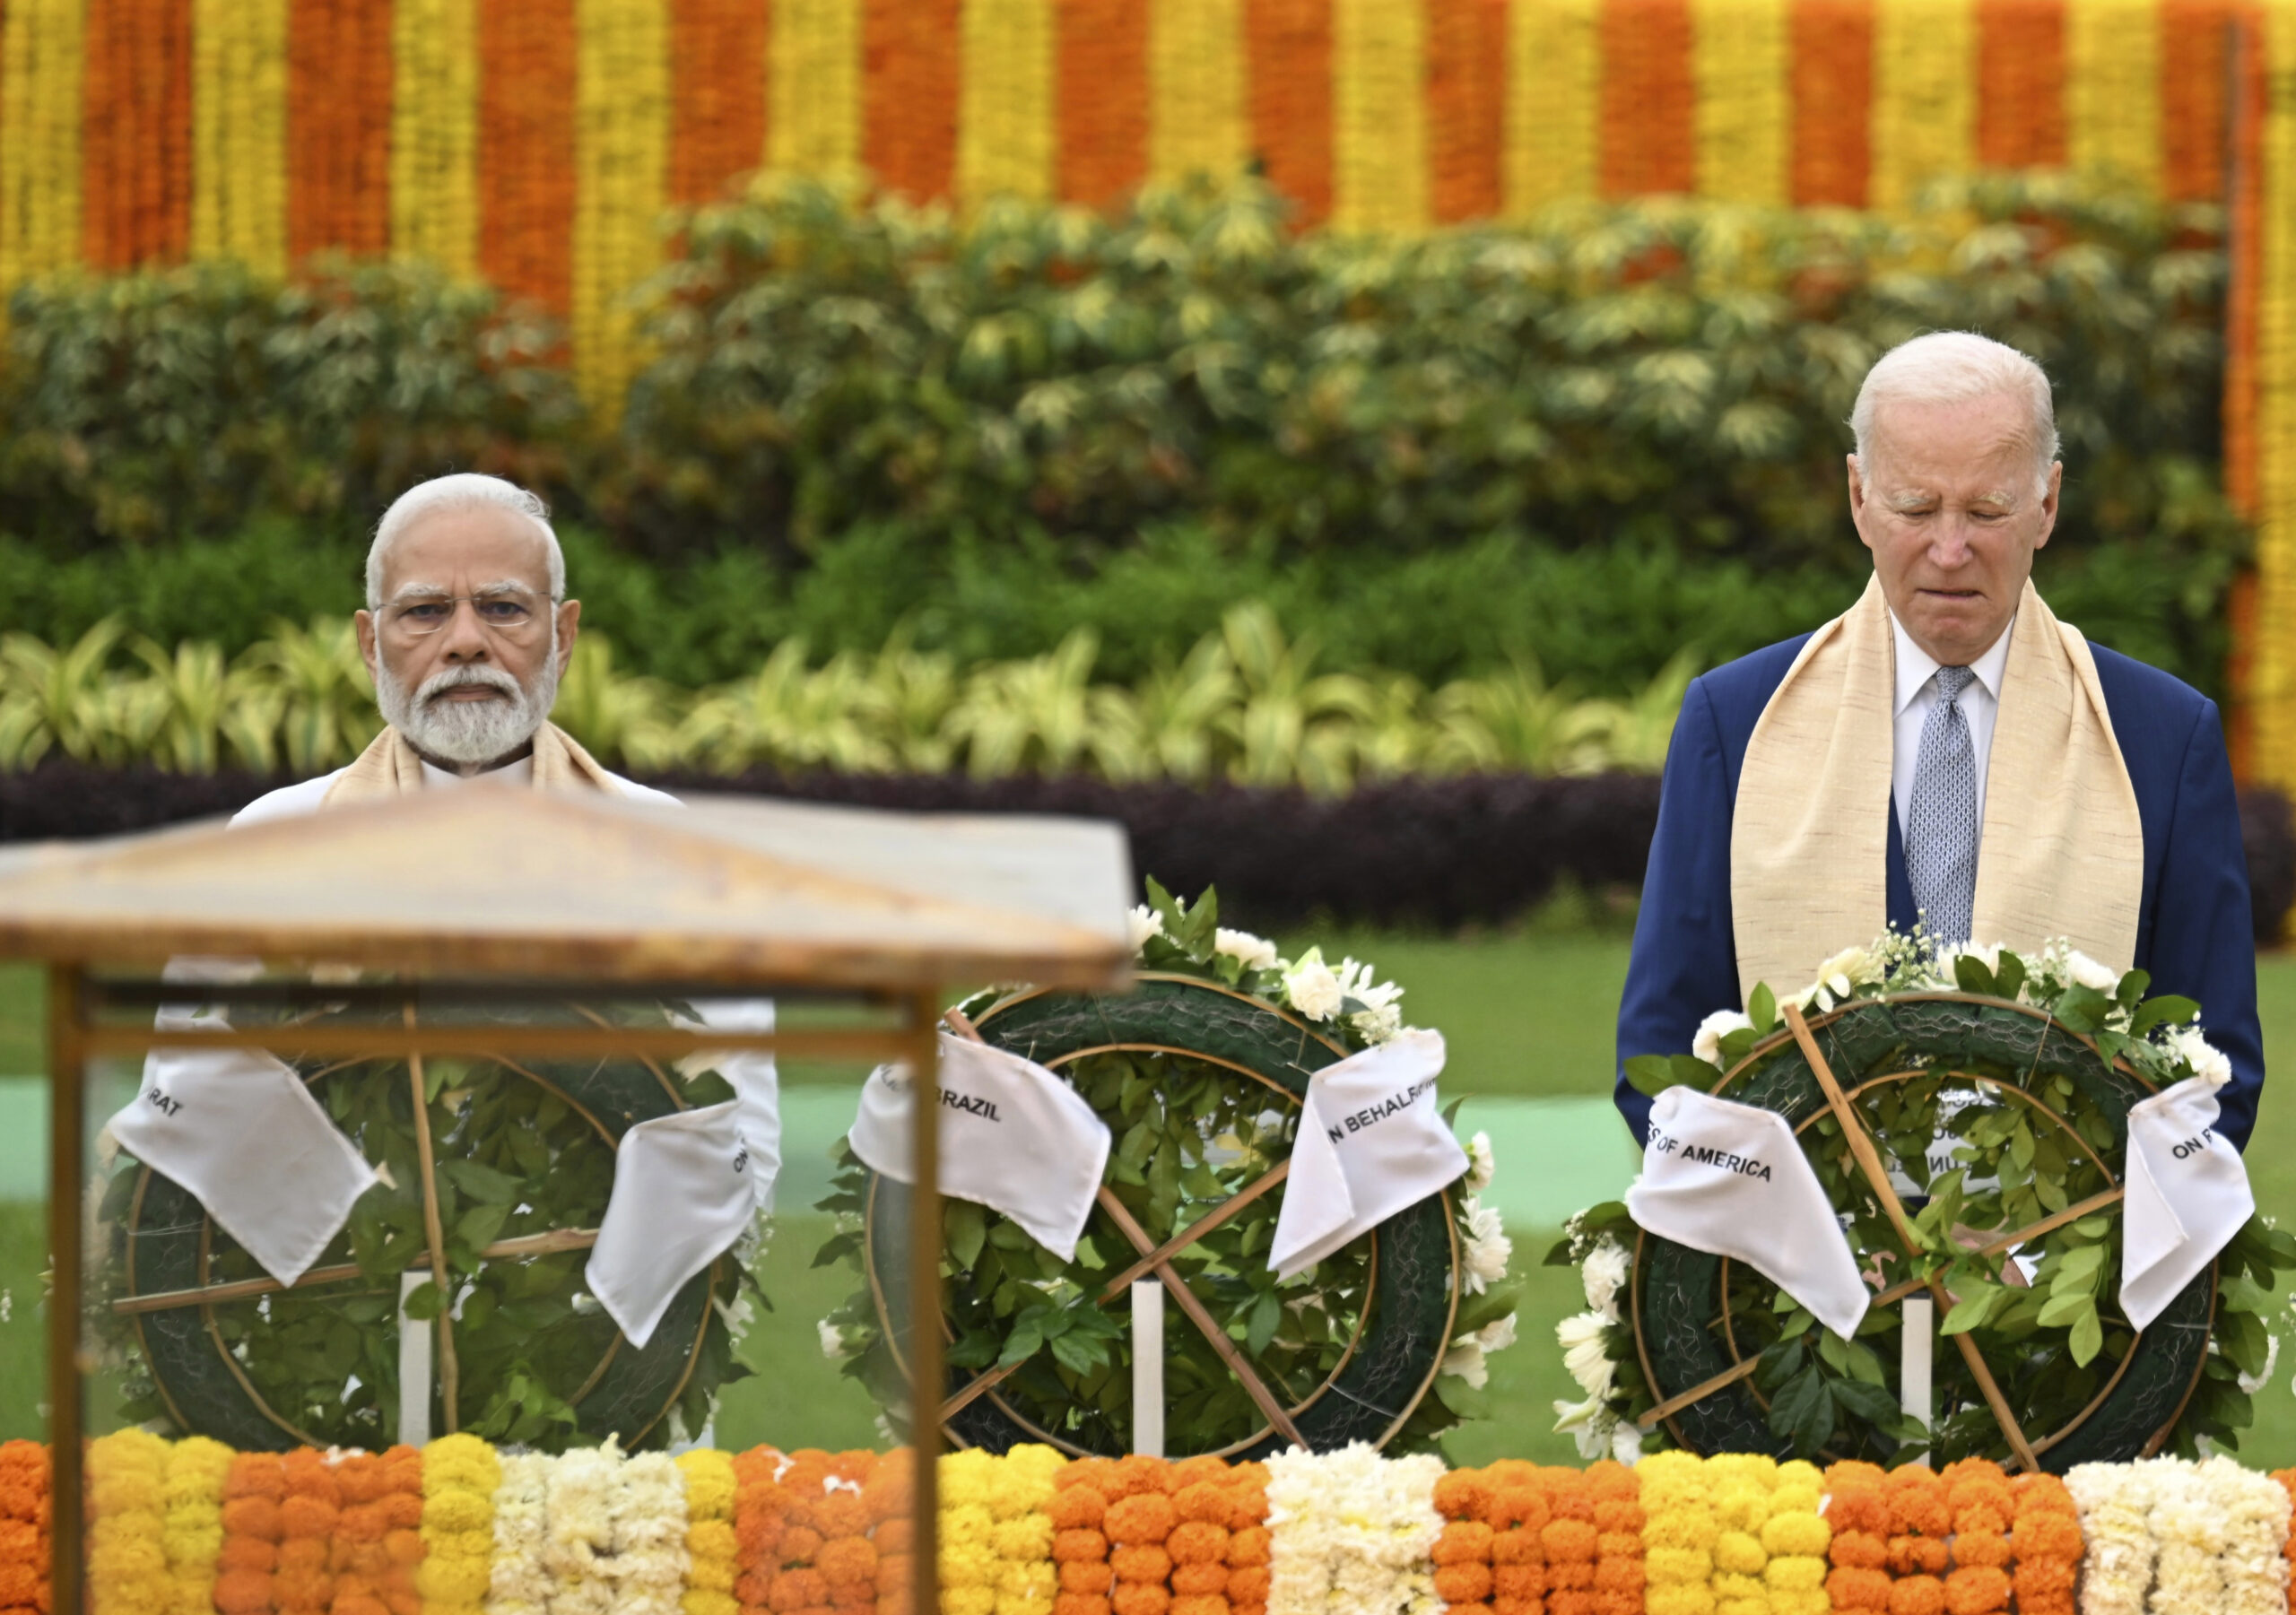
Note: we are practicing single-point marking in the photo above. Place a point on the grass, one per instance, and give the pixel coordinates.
(1481, 992)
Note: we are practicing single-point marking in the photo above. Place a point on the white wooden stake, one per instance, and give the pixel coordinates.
(1148, 1366)
(1918, 1346)
(414, 1342)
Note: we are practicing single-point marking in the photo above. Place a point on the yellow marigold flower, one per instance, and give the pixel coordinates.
(1737, 1552)
(967, 1600)
(1814, 1603)
(1799, 1574)
(1678, 1564)
(1797, 1533)
(1688, 1598)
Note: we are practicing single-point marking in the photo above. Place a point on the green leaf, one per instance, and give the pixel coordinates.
(1761, 1009)
(2011, 974)
(2061, 1310)
(1972, 975)
(1653, 1074)
(1971, 1310)
(963, 1229)
(2077, 1266)
(2088, 1339)
(1267, 1313)
(1872, 1403)
(2170, 1009)
(421, 1302)
(479, 1226)
(483, 1184)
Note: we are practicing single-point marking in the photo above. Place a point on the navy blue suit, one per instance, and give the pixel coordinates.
(2193, 932)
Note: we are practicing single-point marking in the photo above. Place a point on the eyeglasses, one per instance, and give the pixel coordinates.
(512, 613)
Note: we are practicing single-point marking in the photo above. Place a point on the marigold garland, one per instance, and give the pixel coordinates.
(25, 1504)
(460, 1475)
(2045, 1540)
(193, 1535)
(712, 1547)
(126, 1564)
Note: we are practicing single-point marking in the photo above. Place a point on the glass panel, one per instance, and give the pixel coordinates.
(511, 1297)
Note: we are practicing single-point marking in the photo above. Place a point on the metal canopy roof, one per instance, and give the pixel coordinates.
(491, 880)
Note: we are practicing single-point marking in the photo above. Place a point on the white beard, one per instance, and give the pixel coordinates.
(471, 733)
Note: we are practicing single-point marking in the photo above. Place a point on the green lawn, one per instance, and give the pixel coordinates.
(1476, 990)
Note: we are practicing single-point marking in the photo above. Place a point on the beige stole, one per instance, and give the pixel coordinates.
(389, 767)
(2062, 852)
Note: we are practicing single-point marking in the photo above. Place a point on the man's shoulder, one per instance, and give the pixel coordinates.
(1737, 691)
(2149, 696)
(290, 802)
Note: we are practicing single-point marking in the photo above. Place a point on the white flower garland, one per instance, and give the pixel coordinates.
(521, 1586)
(2254, 1511)
(1594, 1424)
(650, 1559)
(585, 1489)
(1353, 1533)
(2168, 1535)
(2116, 1505)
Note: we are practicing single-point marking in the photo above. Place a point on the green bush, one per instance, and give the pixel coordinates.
(1588, 442)
(166, 406)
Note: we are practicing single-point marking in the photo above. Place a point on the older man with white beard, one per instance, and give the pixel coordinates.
(467, 632)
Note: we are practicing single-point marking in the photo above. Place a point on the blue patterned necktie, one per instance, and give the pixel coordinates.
(1941, 823)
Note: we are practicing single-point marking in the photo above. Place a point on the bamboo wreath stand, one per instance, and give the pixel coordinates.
(439, 920)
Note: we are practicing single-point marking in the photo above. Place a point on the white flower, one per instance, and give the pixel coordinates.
(1481, 1163)
(1253, 952)
(1592, 1424)
(1496, 1336)
(1144, 923)
(1310, 987)
(1604, 1273)
(1626, 1443)
(1584, 1354)
(1488, 1248)
(833, 1346)
(1847, 970)
(2087, 972)
(1988, 955)
(1465, 1360)
(2207, 1061)
(1706, 1043)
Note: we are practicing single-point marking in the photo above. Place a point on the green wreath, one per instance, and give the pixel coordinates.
(2023, 1074)
(1199, 1074)
(522, 1156)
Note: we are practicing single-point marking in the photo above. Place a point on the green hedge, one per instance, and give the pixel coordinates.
(1589, 441)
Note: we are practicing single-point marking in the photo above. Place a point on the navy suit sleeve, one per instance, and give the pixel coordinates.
(2203, 941)
(1685, 960)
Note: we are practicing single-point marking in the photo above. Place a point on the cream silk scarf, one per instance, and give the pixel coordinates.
(390, 767)
(2062, 852)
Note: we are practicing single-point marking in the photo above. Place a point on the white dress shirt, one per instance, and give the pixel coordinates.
(1917, 695)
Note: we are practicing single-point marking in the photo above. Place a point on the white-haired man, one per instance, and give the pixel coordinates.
(1947, 751)
(467, 630)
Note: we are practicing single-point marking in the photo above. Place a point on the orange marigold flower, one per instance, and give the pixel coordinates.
(896, 1536)
(1248, 1546)
(1567, 1540)
(1202, 1502)
(1146, 1518)
(1916, 1595)
(799, 1544)
(1200, 1581)
(243, 1591)
(249, 1553)
(1141, 1598)
(795, 1590)
(1250, 1509)
(1518, 1606)
(1461, 1494)
(1199, 1604)
(1919, 1556)
(1141, 1564)
(1977, 1590)
(255, 1475)
(1070, 1603)
(1075, 1507)
(1138, 1475)
(1620, 1574)
(1203, 1471)
(1858, 1589)
(1518, 1581)
(1078, 1576)
(255, 1516)
(847, 1558)
(1073, 1547)
(1519, 1546)
(1248, 1584)
(1195, 1543)
(1860, 1551)
(1463, 1542)
(1463, 1584)
(1511, 1505)
(1098, 1473)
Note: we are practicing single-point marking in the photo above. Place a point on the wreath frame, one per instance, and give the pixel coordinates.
(166, 1246)
(1402, 1332)
(2137, 1410)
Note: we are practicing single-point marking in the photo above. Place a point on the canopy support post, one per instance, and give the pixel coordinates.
(66, 1123)
(928, 1377)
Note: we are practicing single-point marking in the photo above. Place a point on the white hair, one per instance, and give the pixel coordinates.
(1956, 367)
(463, 490)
